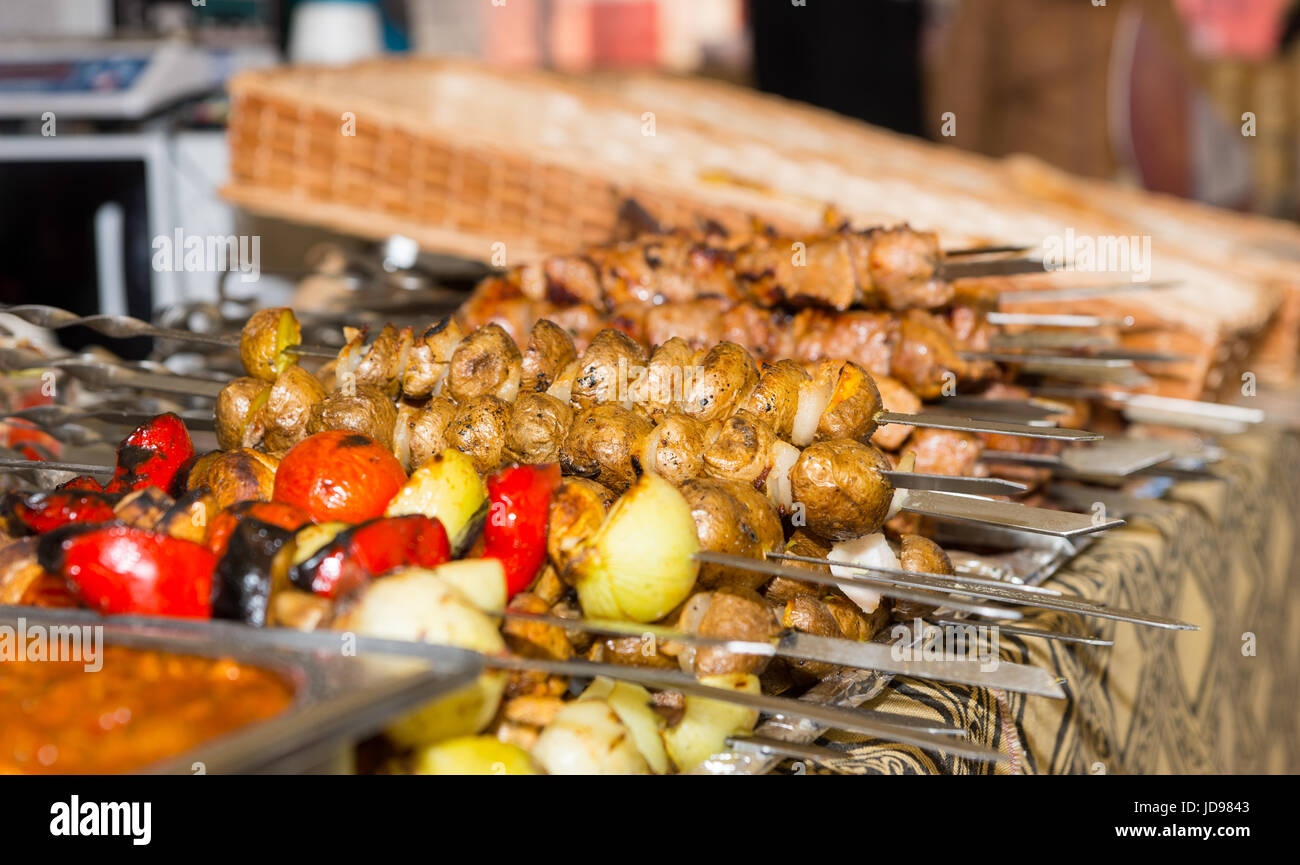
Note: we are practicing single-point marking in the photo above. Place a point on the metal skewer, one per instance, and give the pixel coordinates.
(846, 653)
(126, 327)
(944, 583)
(1018, 631)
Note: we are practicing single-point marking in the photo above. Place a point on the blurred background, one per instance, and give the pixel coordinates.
(112, 111)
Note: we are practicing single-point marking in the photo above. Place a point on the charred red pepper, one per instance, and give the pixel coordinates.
(371, 549)
(519, 500)
(154, 455)
(82, 482)
(121, 569)
(272, 513)
(45, 511)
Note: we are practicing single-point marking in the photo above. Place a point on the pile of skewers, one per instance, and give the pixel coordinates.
(700, 532)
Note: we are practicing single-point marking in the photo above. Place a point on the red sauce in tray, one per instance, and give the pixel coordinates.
(142, 706)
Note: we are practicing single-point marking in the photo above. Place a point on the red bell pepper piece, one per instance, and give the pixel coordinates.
(519, 500)
(82, 482)
(272, 513)
(121, 569)
(154, 456)
(370, 550)
(46, 511)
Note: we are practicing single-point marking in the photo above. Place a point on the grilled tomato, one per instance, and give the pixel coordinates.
(338, 475)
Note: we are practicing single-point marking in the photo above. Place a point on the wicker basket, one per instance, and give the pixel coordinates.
(454, 155)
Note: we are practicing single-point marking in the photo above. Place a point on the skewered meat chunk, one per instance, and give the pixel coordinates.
(903, 266)
(732, 517)
(698, 323)
(565, 279)
(896, 397)
(807, 271)
(367, 410)
(550, 349)
(537, 428)
(927, 358)
(869, 339)
(945, 452)
(486, 362)
(605, 443)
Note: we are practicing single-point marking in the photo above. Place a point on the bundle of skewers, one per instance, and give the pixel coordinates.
(700, 532)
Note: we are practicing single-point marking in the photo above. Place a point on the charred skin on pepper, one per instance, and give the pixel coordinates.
(360, 553)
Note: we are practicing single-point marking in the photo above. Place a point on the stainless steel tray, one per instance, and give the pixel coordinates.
(338, 698)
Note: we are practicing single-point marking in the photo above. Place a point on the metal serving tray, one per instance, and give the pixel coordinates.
(338, 698)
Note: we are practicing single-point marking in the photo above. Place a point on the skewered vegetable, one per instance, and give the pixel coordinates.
(337, 475)
(122, 569)
(639, 563)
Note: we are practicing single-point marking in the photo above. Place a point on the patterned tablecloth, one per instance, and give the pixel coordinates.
(1219, 554)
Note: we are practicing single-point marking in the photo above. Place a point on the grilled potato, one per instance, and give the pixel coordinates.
(732, 517)
(288, 407)
(537, 428)
(577, 511)
(725, 379)
(430, 359)
(265, 341)
(855, 401)
(841, 488)
(426, 432)
(776, 396)
(668, 378)
(605, 442)
(607, 369)
(674, 449)
(920, 556)
(735, 614)
(550, 349)
(740, 449)
(485, 363)
(479, 429)
(239, 417)
(242, 475)
(367, 410)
